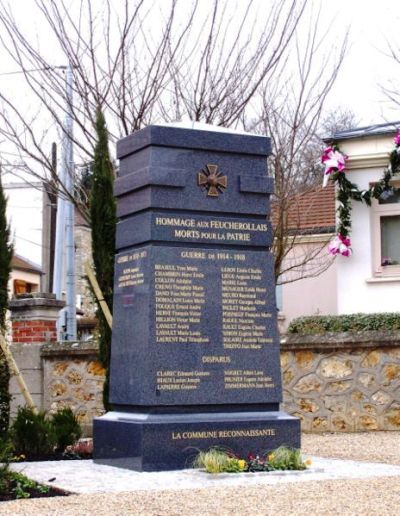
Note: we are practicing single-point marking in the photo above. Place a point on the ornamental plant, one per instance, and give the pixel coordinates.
(6, 252)
(32, 434)
(39, 435)
(66, 428)
(15, 485)
(335, 165)
(217, 460)
(103, 221)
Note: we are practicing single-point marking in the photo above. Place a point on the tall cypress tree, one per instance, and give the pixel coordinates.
(6, 252)
(103, 221)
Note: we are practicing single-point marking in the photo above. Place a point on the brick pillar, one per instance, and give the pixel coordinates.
(33, 317)
(33, 323)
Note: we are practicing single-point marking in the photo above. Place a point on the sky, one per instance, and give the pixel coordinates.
(371, 23)
(366, 68)
(358, 86)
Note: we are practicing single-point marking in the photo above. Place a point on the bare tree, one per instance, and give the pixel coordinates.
(292, 113)
(390, 86)
(234, 58)
(140, 61)
(336, 120)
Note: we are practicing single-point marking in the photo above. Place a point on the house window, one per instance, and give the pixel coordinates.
(24, 287)
(386, 234)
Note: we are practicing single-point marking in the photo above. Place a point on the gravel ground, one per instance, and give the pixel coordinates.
(368, 446)
(374, 496)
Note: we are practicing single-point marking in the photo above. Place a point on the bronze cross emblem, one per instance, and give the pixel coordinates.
(212, 181)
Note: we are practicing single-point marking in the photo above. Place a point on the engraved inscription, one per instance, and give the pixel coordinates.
(208, 229)
(247, 379)
(131, 275)
(243, 308)
(180, 380)
(210, 309)
(180, 300)
(224, 434)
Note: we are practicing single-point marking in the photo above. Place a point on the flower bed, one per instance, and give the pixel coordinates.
(218, 460)
(14, 486)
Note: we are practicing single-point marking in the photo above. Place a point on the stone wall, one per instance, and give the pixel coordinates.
(73, 377)
(29, 362)
(57, 374)
(83, 254)
(337, 382)
(66, 374)
(343, 382)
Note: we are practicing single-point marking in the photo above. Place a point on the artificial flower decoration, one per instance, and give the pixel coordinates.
(340, 245)
(334, 161)
(346, 191)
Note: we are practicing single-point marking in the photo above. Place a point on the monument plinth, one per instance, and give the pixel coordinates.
(195, 350)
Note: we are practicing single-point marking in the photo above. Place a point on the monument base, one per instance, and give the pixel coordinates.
(162, 442)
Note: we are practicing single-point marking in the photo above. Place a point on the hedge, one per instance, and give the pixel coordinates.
(315, 324)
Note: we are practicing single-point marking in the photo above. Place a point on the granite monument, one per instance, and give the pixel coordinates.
(195, 349)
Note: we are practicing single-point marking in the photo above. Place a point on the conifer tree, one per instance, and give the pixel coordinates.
(103, 221)
(6, 251)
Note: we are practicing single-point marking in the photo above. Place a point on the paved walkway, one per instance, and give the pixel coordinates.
(86, 477)
(333, 485)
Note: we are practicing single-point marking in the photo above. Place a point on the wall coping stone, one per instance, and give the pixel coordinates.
(34, 299)
(335, 341)
(55, 349)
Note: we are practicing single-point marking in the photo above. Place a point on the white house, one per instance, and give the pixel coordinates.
(369, 280)
(25, 214)
(29, 217)
(25, 276)
(305, 287)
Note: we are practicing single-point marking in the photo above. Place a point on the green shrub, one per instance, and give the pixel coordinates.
(66, 428)
(38, 435)
(14, 484)
(5, 457)
(32, 434)
(4, 397)
(22, 486)
(317, 324)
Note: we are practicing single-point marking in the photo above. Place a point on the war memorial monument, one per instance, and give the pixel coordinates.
(195, 348)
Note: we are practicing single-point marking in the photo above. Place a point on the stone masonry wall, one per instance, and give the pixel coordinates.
(83, 254)
(342, 382)
(336, 382)
(73, 377)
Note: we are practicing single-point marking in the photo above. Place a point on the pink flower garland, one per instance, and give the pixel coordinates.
(334, 161)
(340, 245)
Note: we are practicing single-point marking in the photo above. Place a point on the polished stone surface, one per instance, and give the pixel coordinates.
(195, 347)
(159, 442)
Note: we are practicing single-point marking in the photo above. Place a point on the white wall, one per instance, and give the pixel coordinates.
(313, 295)
(358, 290)
(25, 212)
